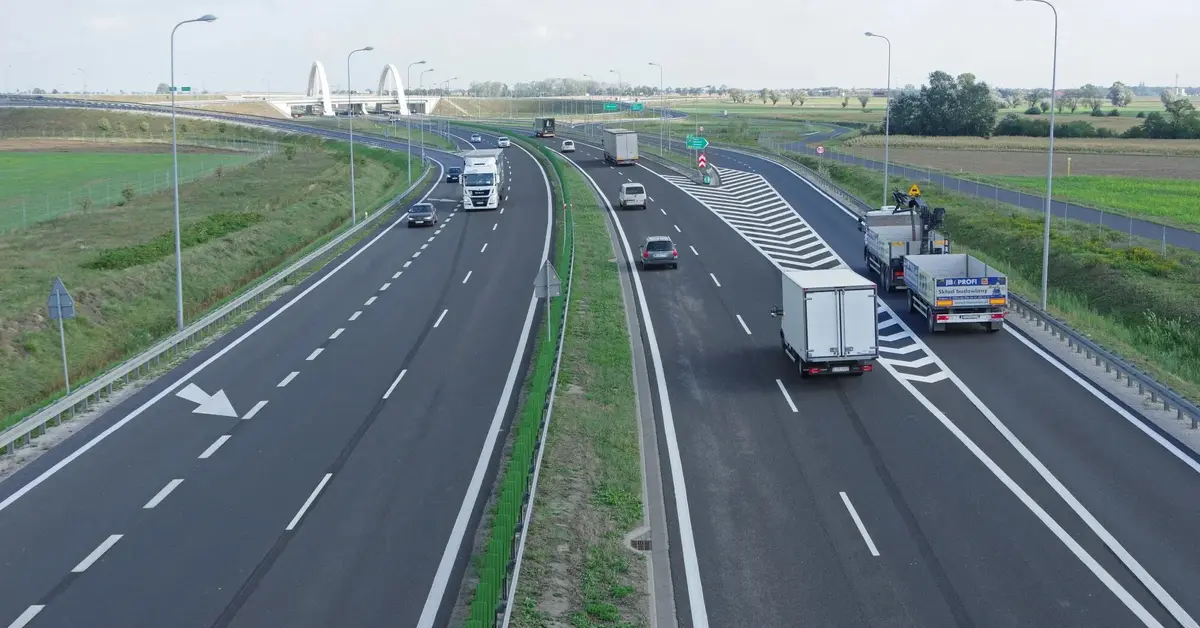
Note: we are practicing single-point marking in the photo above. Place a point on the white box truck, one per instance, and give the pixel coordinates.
(889, 236)
(828, 321)
(620, 146)
(956, 289)
(483, 179)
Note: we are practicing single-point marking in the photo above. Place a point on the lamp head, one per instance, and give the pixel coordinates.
(206, 18)
(869, 34)
(369, 48)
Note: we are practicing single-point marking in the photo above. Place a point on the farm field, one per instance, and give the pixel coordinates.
(964, 163)
(117, 261)
(1174, 148)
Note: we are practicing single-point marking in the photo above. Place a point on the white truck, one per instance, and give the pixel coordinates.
(829, 321)
(956, 289)
(483, 179)
(620, 146)
(889, 236)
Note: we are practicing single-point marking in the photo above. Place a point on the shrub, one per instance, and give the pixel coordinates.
(127, 192)
(1097, 112)
(1141, 114)
(210, 228)
(289, 151)
(1115, 113)
(104, 125)
(1033, 110)
(144, 126)
(221, 127)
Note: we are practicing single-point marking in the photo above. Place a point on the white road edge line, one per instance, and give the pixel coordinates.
(27, 616)
(312, 356)
(714, 278)
(786, 396)
(212, 449)
(468, 276)
(97, 553)
(394, 384)
(162, 494)
(439, 320)
(308, 502)
(862, 529)
(687, 537)
(169, 390)
(253, 411)
(337, 332)
(287, 380)
(739, 317)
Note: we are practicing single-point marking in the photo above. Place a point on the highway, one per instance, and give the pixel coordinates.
(969, 482)
(370, 399)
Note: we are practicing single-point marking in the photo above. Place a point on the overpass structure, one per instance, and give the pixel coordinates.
(319, 99)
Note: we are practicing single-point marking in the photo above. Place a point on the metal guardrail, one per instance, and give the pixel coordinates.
(102, 385)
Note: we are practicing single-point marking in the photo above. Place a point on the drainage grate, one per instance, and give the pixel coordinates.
(641, 545)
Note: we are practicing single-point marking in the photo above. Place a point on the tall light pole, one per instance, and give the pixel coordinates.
(618, 82)
(587, 125)
(175, 169)
(350, 115)
(421, 77)
(887, 124)
(408, 74)
(661, 119)
(1050, 160)
(84, 72)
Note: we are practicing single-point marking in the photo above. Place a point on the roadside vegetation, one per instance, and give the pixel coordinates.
(1125, 294)
(117, 260)
(367, 126)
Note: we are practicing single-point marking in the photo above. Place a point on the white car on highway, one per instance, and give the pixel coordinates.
(476, 138)
(503, 142)
(632, 195)
(568, 146)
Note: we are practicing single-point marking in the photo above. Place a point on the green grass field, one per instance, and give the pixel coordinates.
(1175, 200)
(236, 228)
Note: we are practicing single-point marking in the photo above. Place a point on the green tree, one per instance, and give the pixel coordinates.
(1120, 95)
(144, 126)
(762, 95)
(774, 96)
(845, 100)
(863, 99)
(1091, 96)
(1070, 100)
(946, 106)
(163, 88)
(104, 125)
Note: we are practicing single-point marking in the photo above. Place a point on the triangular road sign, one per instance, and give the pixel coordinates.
(914, 190)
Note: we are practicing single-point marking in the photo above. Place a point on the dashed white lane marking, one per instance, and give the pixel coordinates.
(739, 317)
(786, 396)
(27, 616)
(501, 210)
(393, 386)
(677, 228)
(316, 352)
(858, 522)
(212, 449)
(628, 179)
(714, 278)
(651, 199)
(431, 238)
(253, 411)
(97, 553)
(664, 212)
(355, 315)
(161, 495)
(385, 286)
(484, 247)
(308, 502)
(439, 320)
(416, 255)
(694, 251)
(408, 263)
(494, 226)
(287, 380)
(468, 276)
(337, 333)
(370, 300)
(438, 232)
(424, 246)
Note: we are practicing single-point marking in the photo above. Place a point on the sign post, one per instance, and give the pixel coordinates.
(546, 286)
(702, 161)
(60, 305)
(637, 106)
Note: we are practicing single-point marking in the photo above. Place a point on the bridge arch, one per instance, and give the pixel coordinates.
(318, 85)
(400, 98)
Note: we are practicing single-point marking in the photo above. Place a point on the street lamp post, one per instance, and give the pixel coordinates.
(84, 72)
(175, 170)
(408, 73)
(887, 124)
(421, 77)
(350, 115)
(1050, 159)
(587, 126)
(661, 120)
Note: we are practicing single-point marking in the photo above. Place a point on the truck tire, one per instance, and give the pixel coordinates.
(931, 320)
(886, 280)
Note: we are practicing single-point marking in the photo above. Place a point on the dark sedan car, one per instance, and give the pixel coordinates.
(453, 174)
(422, 214)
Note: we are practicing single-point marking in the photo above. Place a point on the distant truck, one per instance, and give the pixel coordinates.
(543, 127)
(829, 323)
(889, 236)
(620, 146)
(956, 289)
(483, 179)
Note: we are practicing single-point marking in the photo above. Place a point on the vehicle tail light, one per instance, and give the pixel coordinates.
(898, 273)
(674, 252)
(645, 254)
(943, 317)
(999, 315)
(868, 367)
(814, 371)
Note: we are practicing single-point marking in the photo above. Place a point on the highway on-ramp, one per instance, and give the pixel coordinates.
(968, 483)
(370, 400)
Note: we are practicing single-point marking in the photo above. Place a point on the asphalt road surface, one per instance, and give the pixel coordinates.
(977, 486)
(369, 398)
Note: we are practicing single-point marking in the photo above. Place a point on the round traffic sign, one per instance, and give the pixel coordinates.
(707, 179)
(701, 129)
(820, 150)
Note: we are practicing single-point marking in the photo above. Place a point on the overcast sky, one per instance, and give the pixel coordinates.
(124, 44)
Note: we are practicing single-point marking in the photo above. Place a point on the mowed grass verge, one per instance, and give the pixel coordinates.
(1130, 299)
(118, 261)
(577, 570)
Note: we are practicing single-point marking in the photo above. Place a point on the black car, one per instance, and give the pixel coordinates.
(422, 214)
(453, 174)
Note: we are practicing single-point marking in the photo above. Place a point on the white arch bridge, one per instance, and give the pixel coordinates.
(318, 98)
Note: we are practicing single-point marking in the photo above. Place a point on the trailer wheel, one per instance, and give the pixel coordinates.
(886, 280)
(931, 320)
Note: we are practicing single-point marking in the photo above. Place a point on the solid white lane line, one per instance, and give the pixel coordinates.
(739, 317)
(677, 228)
(714, 278)
(385, 286)
(355, 315)
(287, 380)
(337, 333)
(858, 522)
(468, 276)
(253, 411)
(484, 247)
(27, 616)
(212, 449)
(494, 226)
(393, 386)
(312, 356)
(424, 246)
(308, 502)
(664, 212)
(439, 320)
(786, 396)
(408, 263)
(161, 495)
(97, 553)
(370, 300)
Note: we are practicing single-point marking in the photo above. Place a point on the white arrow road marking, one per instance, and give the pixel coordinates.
(216, 404)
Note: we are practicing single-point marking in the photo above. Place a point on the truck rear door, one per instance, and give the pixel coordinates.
(859, 323)
(823, 324)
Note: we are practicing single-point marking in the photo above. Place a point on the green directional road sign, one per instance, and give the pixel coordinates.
(637, 106)
(696, 143)
(181, 89)
(610, 106)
